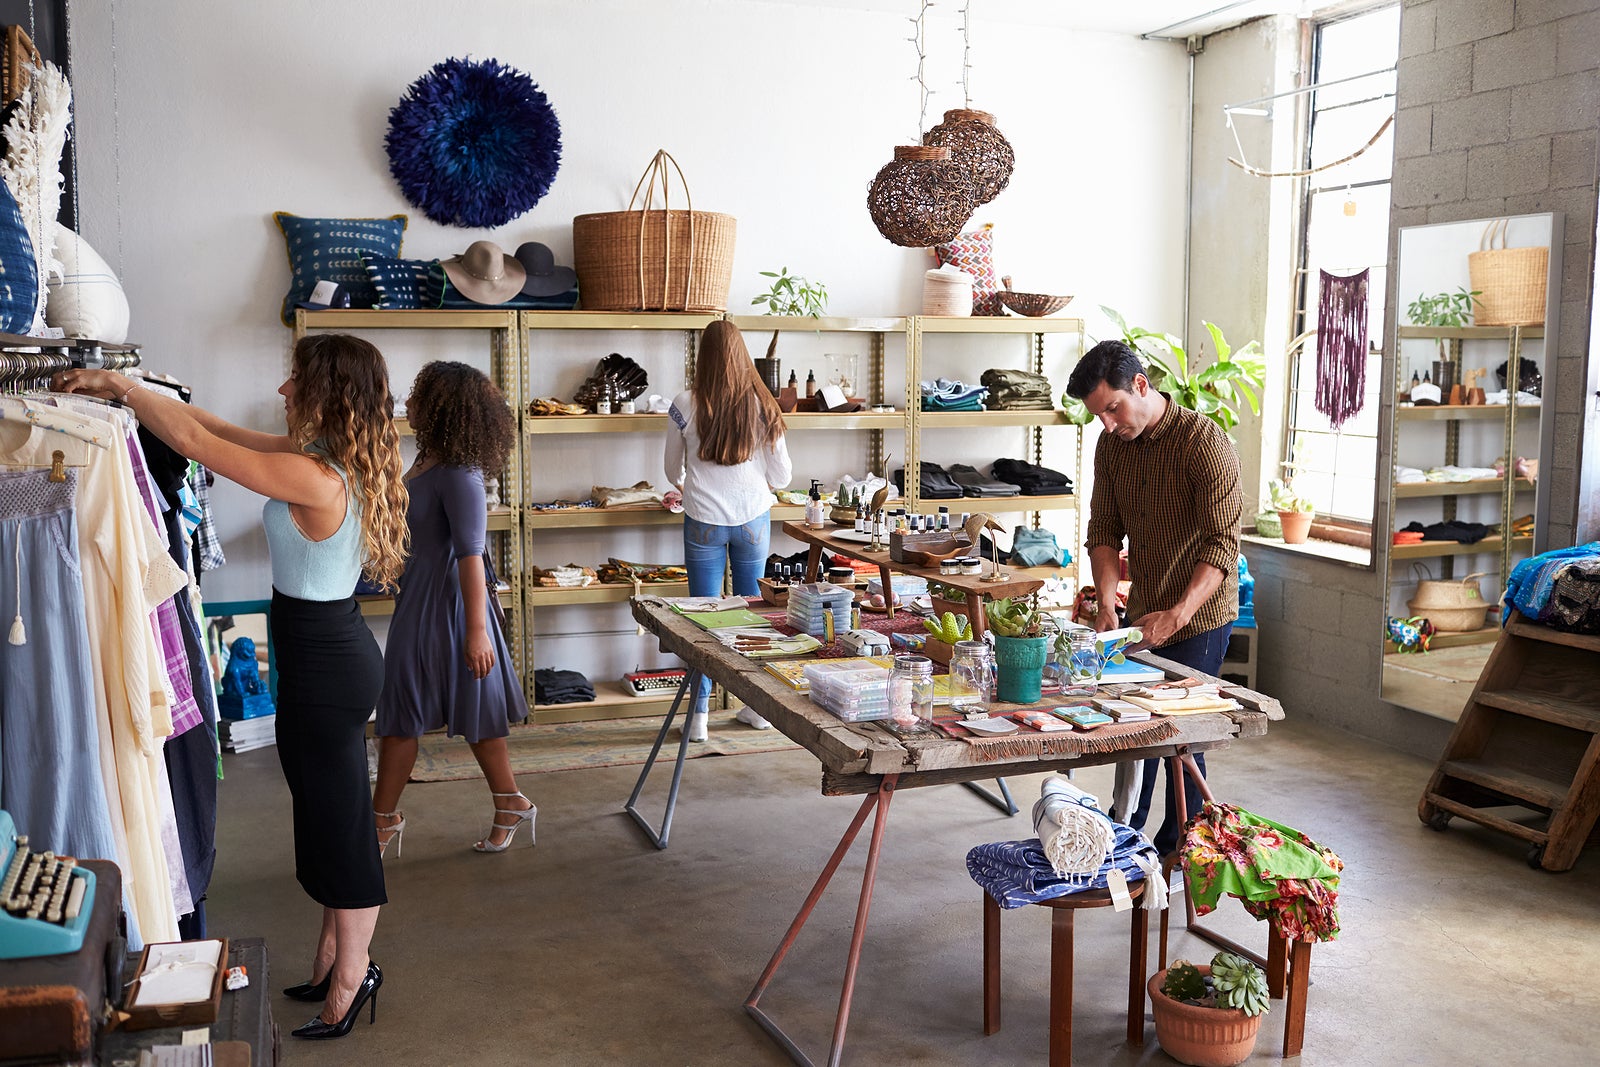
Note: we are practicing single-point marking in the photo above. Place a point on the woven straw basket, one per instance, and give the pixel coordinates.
(1453, 605)
(1511, 282)
(655, 259)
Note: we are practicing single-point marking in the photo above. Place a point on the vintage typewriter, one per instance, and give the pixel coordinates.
(653, 683)
(45, 899)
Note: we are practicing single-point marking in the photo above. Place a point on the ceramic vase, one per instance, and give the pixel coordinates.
(1020, 662)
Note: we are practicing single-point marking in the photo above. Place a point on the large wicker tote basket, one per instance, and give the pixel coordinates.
(1511, 282)
(654, 259)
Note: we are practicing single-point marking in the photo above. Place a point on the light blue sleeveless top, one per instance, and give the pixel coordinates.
(314, 570)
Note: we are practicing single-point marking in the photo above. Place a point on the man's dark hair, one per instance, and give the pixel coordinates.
(1113, 362)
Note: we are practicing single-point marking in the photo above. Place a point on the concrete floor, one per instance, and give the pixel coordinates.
(594, 948)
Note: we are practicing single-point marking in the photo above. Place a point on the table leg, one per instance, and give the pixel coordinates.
(690, 684)
(991, 965)
(1002, 801)
(1139, 950)
(879, 799)
(975, 613)
(813, 562)
(1061, 987)
(1277, 962)
(1294, 1005)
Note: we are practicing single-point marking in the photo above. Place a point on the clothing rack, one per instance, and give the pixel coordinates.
(30, 362)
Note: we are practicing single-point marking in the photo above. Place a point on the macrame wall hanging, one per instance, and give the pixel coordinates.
(1341, 346)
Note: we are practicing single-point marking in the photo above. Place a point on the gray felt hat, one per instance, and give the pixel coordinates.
(544, 277)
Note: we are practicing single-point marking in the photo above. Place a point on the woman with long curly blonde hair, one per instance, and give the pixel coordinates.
(337, 508)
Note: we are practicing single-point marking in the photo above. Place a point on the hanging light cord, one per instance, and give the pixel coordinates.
(966, 54)
(919, 39)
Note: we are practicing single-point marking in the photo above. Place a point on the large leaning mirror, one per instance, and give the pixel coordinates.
(1476, 319)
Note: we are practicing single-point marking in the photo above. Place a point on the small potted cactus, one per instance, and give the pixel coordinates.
(1209, 1016)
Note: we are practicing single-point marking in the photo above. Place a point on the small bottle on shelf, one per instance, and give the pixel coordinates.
(602, 406)
(944, 519)
(811, 384)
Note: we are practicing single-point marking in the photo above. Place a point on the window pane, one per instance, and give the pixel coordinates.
(1345, 130)
(1356, 45)
(1352, 498)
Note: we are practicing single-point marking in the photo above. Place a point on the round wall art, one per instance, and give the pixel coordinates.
(473, 143)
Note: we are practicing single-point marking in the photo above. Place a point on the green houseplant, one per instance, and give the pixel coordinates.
(1214, 390)
(1451, 310)
(1295, 512)
(1209, 1016)
(791, 295)
(1020, 648)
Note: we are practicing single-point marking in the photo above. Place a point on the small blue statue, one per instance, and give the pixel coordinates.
(1247, 596)
(243, 695)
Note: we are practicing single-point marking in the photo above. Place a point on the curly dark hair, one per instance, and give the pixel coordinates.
(460, 418)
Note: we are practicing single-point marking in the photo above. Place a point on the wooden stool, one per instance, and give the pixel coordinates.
(1065, 908)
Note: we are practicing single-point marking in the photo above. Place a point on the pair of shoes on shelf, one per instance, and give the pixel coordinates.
(499, 825)
(312, 991)
(318, 1030)
(748, 716)
(391, 831)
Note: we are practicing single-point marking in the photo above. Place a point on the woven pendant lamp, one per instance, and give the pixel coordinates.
(978, 146)
(922, 198)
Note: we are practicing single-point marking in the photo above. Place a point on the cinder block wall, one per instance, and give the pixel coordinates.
(1499, 101)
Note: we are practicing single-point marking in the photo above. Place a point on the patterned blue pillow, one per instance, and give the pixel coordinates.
(19, 270)
(403, 284)
(331, 250)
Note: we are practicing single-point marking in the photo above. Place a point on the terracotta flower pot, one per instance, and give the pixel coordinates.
(1201, 1037)
(1296, 526)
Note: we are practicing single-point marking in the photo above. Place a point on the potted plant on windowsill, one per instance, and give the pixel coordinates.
(1295, 512)
(1020, 648)
(1209, 1016)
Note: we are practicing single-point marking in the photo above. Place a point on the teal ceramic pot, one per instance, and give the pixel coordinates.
(1021, 667)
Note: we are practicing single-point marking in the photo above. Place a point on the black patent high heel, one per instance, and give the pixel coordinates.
(311, 990)
(317, 1030)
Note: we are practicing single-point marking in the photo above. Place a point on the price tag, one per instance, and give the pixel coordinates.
(1117, 883)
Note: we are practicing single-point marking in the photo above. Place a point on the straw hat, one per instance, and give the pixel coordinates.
(485, 274)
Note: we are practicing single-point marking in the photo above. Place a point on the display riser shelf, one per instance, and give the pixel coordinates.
(540, 596)
(1467, 333)
(583, 518)
(1458, 412)
(379, 605)
(1438, 549)
(989, 420)
(611, 701)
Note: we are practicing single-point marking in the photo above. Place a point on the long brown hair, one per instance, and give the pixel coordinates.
(460, 418)
(734, 414)
(342, 405)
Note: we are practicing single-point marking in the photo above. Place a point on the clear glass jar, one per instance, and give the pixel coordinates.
(911, 693)
(1081, 661)
(971, 676)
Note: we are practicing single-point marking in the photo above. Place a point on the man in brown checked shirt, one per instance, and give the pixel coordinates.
(1166, 479)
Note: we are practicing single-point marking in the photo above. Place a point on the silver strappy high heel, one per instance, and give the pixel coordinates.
(393, 830)
(525, 815)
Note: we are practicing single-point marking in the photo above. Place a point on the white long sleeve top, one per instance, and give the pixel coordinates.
(713, 493)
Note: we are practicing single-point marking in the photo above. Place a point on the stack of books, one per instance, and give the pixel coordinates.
(242, 735)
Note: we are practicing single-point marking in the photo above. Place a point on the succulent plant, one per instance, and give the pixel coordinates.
(1238, 983)
(1010, 617)
(1184, 982)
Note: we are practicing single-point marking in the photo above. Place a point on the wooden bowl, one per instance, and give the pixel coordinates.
(1033, 305)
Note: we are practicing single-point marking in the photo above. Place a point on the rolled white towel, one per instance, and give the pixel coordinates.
(1077, 837)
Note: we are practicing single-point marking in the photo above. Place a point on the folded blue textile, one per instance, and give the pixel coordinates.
(934, 403)
(1529, 587)
(951, 390)
(1017, 873)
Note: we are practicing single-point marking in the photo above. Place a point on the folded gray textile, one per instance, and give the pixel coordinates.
(973, 483)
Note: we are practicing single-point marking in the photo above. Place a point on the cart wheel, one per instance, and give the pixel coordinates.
(1439, 820)
(1536, 857)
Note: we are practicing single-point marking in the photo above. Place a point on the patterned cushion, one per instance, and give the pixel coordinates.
(974, 253)
(19, 269)
(331, 250)
(403, 284)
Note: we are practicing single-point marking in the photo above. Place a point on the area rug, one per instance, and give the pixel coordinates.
(604, 743)
(1460, 664)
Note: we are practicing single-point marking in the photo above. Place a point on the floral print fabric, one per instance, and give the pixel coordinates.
(1279, 873)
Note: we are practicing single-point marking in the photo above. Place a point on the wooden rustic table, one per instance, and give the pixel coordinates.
(974, 586)
(864, 758)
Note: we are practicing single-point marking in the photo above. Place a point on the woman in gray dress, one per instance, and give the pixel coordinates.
(445, 662)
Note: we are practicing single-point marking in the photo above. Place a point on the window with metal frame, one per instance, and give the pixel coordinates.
(1344, 230)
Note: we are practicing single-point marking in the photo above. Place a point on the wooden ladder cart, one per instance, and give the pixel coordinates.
(1529, 737)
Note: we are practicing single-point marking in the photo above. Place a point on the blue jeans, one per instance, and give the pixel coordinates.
(1204, 652)
(710, 550)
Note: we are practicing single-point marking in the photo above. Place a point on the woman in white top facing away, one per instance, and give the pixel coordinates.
(726, 453)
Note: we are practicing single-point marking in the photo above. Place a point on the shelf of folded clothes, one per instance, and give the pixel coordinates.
(383, 603)
(1449, 412)
(1473, 487)
(953, 419)
(611, 701)
(1431, 549)
(595, 424)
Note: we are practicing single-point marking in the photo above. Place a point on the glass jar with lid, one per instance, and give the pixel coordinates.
(971, 676)
(911, 693)
(1076, 652)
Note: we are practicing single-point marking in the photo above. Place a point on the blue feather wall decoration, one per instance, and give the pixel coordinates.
(473, 144)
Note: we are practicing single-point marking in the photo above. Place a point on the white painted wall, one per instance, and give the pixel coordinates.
(199, 119)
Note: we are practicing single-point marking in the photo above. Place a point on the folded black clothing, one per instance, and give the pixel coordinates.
(1468, 533)
(936, 482)
(973, 483)
(1033, 479)
(551, 686)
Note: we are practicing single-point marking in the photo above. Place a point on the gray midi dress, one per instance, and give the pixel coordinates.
(426, 681)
